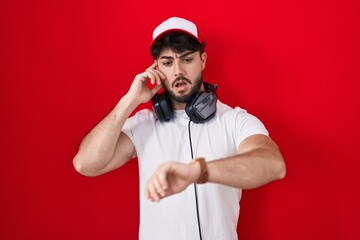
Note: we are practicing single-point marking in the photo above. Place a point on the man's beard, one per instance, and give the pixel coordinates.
(185, 98)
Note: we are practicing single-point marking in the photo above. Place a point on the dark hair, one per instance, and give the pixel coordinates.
(178, 42)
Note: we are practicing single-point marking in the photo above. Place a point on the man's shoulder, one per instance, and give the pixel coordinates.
(225, 110)
(143, 115)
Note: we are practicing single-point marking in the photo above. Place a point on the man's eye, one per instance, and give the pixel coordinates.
(168, 63)
(187, 60)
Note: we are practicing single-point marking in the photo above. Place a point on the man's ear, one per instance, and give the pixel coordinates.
(203, 57)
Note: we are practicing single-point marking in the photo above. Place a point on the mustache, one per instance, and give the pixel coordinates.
(179, 79)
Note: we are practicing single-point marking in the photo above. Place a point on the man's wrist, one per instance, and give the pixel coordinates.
(203, 177)
(127, 102)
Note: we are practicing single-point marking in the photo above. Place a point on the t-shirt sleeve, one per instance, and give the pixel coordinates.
(136, 124)
(247, 125)
(127, 128)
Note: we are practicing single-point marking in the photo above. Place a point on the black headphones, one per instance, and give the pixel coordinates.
(200, 108)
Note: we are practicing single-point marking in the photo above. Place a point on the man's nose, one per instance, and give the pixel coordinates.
(178, 70)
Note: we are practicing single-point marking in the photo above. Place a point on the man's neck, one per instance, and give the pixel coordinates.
(177, 105)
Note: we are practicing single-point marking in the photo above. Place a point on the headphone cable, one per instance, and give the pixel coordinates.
(195, 186)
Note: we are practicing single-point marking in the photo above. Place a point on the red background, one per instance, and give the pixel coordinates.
(65, 64)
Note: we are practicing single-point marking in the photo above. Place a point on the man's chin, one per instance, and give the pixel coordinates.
(184, 95)
(180, 98)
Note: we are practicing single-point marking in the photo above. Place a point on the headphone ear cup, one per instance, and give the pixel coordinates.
(162, 107)
(201, 107)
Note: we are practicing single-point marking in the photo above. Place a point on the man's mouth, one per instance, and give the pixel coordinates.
(180, 82)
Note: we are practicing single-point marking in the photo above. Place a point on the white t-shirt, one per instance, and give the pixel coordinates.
(175, 217)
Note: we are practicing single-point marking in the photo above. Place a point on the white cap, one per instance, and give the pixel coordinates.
(176, 24)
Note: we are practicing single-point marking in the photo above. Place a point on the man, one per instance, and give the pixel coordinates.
(195, 153)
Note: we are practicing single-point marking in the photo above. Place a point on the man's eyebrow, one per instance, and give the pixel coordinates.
(186, 54)
(181, 56)
(166, 57)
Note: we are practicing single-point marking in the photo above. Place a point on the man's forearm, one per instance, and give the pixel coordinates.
(105, 147)
(250, 169)
(98, 147)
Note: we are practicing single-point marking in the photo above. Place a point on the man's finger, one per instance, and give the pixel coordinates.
(155, 89)
(158, 188)
(162, 181)
(151, 193)
(153, 66)
(155, 76)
